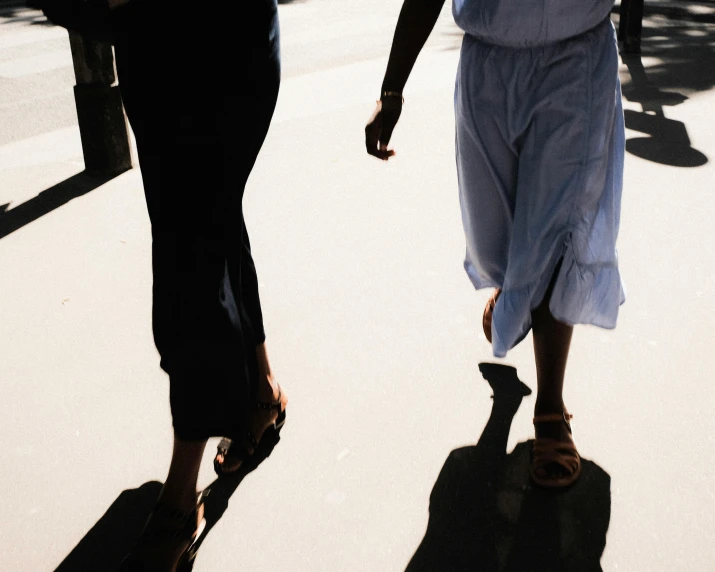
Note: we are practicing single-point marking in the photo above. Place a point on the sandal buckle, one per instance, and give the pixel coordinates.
(224, 445)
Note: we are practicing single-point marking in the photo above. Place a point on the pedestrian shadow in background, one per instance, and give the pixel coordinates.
(486, 515)
(107, 543)
(668, 142)
(679, 40)
(49, 200)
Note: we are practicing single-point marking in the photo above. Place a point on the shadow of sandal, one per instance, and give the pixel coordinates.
(107, 543)
(219, 492)
(485, 514)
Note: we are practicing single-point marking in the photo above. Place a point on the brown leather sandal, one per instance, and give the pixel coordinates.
(488, 311)
(244, 449)
(548, 451)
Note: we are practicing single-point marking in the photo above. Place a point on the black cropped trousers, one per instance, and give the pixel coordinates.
(200, 91)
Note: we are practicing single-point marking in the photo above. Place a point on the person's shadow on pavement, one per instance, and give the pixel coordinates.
(667, 142)
(486, 515)
(107, 543)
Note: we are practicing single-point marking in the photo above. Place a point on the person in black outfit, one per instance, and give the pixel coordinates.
(199, 88)
(630, 25)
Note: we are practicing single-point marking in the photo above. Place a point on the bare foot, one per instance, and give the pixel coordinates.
(557, 430)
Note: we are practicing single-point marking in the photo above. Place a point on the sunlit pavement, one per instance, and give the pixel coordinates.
(373, 327)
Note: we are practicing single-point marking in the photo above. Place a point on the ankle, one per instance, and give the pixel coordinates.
(264, 366)
(548, 406)
(178, 499)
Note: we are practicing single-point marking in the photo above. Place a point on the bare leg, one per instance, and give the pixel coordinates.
(552, 340)
(555, 461)
(180, 487)
(267, 387)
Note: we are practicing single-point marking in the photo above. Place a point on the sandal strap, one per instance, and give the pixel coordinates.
(238, 450)
(550, 446)
(550, 417)
(267, 406)
(175, 524)
(550, 451)
(224, 446)
(251, 439)
(173, 513)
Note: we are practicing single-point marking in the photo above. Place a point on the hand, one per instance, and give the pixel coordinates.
(380, 126)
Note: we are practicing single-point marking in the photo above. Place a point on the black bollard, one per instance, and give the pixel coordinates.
(102, 123)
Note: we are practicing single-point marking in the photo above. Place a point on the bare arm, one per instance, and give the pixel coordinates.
(415, 24)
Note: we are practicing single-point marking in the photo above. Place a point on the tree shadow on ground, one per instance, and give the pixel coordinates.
(486, 515)
(679, 51)
(17, 11)
(107, 543)
(49, 200)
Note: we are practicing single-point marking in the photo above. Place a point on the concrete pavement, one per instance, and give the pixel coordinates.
(373, 328)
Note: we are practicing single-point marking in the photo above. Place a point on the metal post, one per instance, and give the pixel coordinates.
(102, 123)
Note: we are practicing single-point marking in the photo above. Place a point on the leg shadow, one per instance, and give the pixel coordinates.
(49, 200)
(107, 543)
(485, 514)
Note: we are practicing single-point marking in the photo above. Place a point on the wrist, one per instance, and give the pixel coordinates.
(392, 95)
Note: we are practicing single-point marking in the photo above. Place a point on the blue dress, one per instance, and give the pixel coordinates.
(540, 144)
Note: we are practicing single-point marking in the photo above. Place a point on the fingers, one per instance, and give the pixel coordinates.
(385, 153)
(379, 130)
(372, 142)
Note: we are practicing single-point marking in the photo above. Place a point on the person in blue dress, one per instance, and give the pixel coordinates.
(540, 147)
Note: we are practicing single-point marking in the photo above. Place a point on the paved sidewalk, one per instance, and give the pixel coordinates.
(373, 328)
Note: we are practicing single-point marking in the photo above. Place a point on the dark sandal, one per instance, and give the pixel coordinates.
(167, 524)
(547, 451)
(488, 312)
(244, 450)
(186, 561)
